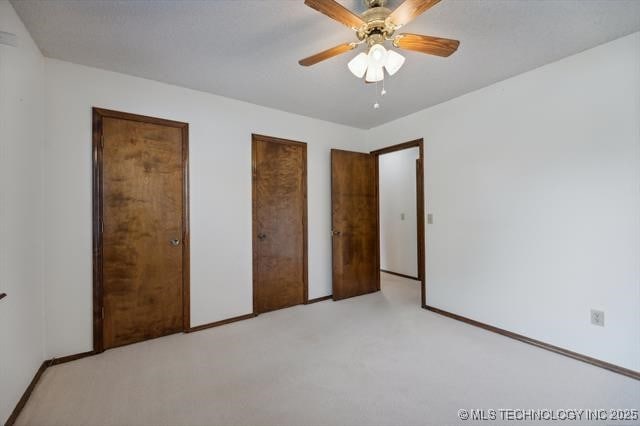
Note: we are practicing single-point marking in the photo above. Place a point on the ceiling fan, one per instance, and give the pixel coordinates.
(374, 27)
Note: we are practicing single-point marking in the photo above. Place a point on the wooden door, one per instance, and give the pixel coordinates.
(354, 207)
(279, 223)
(143, 241)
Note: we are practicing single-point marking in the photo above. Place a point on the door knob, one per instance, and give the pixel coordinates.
(336, 233)
(262, 236)
(175, 242)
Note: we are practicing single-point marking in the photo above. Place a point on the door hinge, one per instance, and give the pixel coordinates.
(102, 225)
(102, 141)
(102, 313)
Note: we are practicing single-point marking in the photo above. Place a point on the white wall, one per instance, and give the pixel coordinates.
(534, 184)
(398, 237)
(220, 190)
(21, 146)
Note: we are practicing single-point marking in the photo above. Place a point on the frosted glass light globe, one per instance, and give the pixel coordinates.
(394, 62)
(377, 56)
(358, 65)
(374, 74)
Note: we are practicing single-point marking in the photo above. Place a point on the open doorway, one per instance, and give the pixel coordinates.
(400, 173)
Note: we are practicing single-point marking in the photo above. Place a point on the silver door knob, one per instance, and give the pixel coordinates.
(262, 236)
(336, 233)
(175, 243)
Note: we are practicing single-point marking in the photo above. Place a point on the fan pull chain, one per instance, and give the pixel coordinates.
(379, 93)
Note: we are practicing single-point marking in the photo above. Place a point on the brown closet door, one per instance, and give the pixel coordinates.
(354, 203)
(142, 242)
(279, 223)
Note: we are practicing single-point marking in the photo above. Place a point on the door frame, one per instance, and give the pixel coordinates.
(254, 231)
(419, 143)
(97, 212)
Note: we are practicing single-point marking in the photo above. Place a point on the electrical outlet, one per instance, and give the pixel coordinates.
(430, 218)
(597, 317)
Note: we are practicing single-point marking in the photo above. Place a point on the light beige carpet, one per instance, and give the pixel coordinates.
(377, 359)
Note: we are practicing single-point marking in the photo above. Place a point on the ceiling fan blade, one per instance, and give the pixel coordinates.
(426, 44)
(336, 11)
(409, 10)
(326, 54)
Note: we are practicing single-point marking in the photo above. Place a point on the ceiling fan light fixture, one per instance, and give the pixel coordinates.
(394, 62)
(358, 65)
(376, 26)
(374, 73)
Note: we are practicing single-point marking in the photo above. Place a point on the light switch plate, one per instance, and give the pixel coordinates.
(401, 216)
(430, 218)
(8, 38)
(597, 317)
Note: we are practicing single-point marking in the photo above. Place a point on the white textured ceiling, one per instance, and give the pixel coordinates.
(248, 49)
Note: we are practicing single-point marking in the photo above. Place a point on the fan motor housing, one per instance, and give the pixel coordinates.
(374, 3)
(377, 27)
